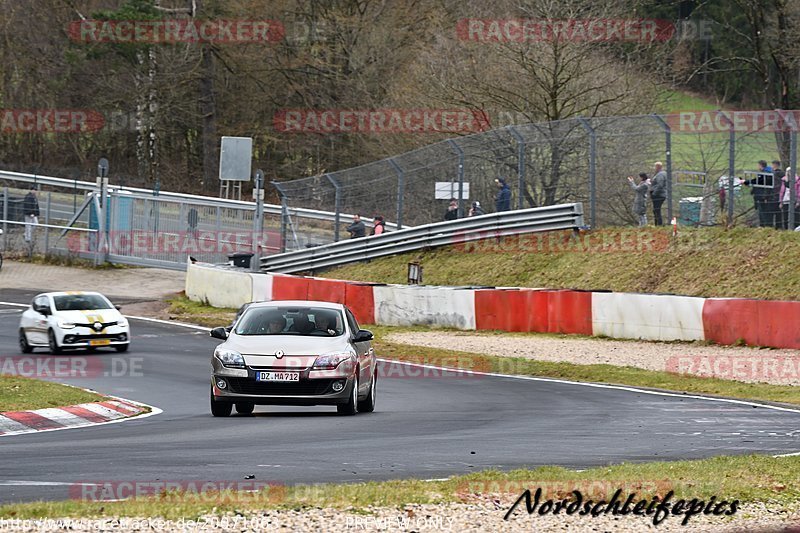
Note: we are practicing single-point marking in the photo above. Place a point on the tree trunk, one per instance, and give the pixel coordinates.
(208, 112)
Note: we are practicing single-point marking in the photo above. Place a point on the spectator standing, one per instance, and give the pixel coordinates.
(640, 199)
(658, 192)
(30, 212)
(452, 211)
(378, 226)
(785, 197)
(476, 210)
(761, 195)
(503, 200)
(357, 229)
(774, 213)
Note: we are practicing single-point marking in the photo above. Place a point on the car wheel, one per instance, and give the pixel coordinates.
(368, 405)
(351, 406)
(53, 343)
(220, 408)
(122, 347)
(245, 408)
(23, 343)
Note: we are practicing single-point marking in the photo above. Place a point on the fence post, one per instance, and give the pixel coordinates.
(258, 229)
(401, 190)
(792, 193)
(460, 153)
(668, 147)
(218, 229)
(592, 171)
(47, 223)
(520, 164)
(336, 206)
(5, 217)
(284, 213)
(731, 164)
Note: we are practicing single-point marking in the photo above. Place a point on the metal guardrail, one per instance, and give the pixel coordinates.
(557, 217)
(270, 209)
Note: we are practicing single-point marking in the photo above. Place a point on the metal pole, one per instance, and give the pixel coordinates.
(5, 216)
(259, 222)
(218, 229)
(460, 153)
(668, 147)
(401, 191)
(592, 171)
(521, 166)
(731, 164)
(284, 214)
(791, 182)
(47, 221)
(336, 206)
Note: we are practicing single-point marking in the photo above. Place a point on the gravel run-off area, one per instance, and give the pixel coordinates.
(740, 363)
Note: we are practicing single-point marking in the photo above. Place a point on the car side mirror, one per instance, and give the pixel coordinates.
(363, 335)
(219, 333)
(118, 307)
(42, 309)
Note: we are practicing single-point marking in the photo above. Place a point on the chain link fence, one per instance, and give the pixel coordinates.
(575, 160)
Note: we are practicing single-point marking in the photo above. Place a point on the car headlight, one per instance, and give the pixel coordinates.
(331, 361)
(229, 358)
(65, 324)
(122, 322)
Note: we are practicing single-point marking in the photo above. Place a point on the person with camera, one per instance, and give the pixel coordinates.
(640, 198)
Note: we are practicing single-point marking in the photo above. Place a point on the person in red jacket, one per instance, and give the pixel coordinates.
(379, 226)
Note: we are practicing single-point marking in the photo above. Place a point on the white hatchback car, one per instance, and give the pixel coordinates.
(72, 320)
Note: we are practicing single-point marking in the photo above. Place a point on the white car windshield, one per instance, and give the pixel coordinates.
(305, 321)
(80, 302)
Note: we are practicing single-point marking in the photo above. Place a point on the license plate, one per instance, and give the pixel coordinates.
(99, 342)
(277, 376)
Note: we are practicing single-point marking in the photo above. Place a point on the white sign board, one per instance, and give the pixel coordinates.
(235, 158)
(448, 190)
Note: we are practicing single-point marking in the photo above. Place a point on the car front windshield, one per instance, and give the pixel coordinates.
(80, 302)
(303, 321)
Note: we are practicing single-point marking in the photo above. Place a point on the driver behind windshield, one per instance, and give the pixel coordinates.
(324, 324)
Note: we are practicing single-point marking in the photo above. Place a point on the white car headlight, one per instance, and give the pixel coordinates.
(65, 324)
(122, 322)
(331, 361)
(229, 358)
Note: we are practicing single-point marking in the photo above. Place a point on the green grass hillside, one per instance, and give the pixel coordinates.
(741, 262)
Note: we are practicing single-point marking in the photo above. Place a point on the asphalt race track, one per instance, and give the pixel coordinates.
(422, 427)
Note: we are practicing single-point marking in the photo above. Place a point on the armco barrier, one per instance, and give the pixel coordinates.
(398, 305)
(647, 316)
(756, 322)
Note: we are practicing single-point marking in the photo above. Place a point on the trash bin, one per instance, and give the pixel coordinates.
(690, 211)
(240, 259)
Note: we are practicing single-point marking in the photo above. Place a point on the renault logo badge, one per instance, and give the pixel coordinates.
(97, 326)
(279, 354)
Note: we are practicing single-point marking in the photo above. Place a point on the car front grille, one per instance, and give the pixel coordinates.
(72, 339)
(304, 387)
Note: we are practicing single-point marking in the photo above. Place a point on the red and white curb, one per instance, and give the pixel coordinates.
(72, 416)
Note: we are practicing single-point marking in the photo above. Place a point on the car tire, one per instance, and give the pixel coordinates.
(220, 408)
(122, 347)
(245, 408)
(23, 343)
(351, 407)
(368, 405)
(52, 342)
